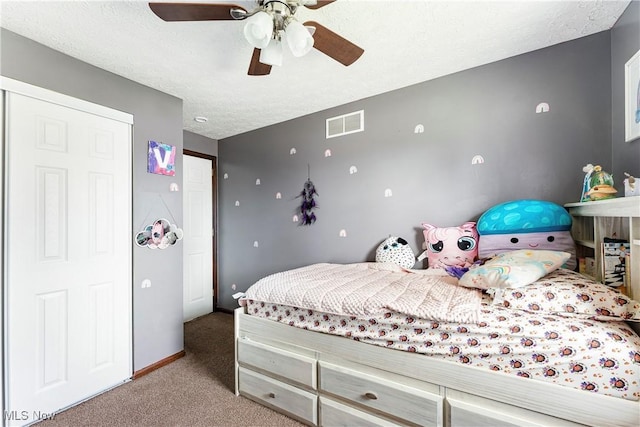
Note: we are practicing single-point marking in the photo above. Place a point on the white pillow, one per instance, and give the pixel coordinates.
(514, 269)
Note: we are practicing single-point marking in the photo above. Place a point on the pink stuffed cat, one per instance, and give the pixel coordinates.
(451, 246)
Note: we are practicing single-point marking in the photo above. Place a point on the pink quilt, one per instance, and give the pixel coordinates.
(367, 289)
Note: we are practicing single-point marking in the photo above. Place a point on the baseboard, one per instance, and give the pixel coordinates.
(159, 364)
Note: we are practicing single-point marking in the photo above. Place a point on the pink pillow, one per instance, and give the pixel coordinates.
(451, 246)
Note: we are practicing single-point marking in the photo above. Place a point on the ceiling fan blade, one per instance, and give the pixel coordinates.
(194, 11)
(333, 45)
(319, 4)
(257, 68)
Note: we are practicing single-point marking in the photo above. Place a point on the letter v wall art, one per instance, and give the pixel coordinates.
(162, 158)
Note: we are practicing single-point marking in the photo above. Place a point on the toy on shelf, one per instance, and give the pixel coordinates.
(597, 184)
(631, 187)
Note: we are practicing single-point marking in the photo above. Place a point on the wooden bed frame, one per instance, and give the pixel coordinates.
(321, 379)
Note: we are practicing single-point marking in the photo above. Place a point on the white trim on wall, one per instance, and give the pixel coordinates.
(26, 89)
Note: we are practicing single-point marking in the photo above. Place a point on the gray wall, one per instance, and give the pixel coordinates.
(157, 311)
(487, 111)
(625, 42)
(200, 144)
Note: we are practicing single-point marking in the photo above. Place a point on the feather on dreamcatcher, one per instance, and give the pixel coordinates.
(308, 204)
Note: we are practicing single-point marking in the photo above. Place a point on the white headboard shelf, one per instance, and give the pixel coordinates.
(619, 217)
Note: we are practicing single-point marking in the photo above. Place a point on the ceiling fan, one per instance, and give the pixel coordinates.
(267, 25)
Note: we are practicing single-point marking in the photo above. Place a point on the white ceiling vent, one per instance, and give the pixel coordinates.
(345, 124)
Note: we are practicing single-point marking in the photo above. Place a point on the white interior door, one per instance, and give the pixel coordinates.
(68, 256)
(198, 237)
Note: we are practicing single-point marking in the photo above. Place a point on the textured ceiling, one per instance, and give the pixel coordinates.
(205, 63)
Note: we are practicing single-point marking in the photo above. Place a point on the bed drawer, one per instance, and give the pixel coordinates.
(334, 414)
(295, 367)
(474, 411)
(295, 402)
(389, 397)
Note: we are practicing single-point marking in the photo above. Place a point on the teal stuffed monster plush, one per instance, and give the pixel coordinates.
(526, 224)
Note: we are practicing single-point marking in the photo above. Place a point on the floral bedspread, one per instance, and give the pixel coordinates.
(578, 347)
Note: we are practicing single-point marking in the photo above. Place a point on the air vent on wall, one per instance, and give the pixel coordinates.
(345, 124)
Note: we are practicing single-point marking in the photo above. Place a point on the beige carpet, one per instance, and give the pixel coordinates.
(196, 390)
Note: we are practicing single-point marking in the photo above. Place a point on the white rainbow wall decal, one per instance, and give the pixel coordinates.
(543, 107)
(477, 160)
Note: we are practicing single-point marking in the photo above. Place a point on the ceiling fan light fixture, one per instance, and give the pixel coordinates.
(265, 26)
(272, 54)
(259, 29)
(298, 38)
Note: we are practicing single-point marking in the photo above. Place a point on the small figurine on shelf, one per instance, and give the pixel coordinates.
(587, 169)
(600, 184)
(631, 187)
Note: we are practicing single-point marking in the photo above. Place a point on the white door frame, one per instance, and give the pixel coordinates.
(15, 86)
(214, 209)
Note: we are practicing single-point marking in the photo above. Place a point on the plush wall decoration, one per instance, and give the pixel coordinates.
(159, 235)
(396, 250)
(451, 246)
(526, 224)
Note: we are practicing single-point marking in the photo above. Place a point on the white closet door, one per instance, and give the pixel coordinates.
(2, 258)
(68, 256)
(198, 237)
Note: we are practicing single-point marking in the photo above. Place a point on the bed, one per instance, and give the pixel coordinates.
(328, 344)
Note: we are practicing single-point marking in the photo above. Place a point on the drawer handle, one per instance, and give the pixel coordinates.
(272, 395)
(371, 396)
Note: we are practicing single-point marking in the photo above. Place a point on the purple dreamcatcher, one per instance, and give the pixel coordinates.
(308, 204)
